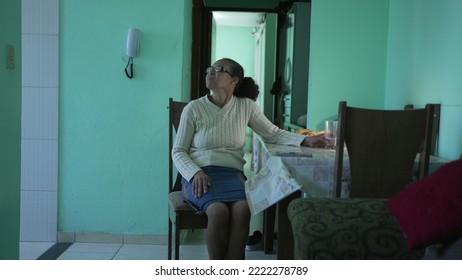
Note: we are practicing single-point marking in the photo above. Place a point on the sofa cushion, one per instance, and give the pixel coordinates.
(430, 210)
(350, 228)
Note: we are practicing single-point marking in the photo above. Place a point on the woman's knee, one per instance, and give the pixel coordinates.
(218, 212)
(240, 211)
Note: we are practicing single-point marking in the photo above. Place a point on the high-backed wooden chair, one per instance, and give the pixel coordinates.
(382, 147)
(436, 127)
(180, 215)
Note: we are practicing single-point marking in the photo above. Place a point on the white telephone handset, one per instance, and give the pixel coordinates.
(133, 42)
(133, 49)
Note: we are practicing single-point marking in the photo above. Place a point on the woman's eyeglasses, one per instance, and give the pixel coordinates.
(217, 69)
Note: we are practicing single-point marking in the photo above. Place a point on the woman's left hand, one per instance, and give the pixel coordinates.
(317, 141)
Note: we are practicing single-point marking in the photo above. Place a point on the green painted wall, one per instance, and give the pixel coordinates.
(425, 63)
(113, 143)
(347, 56)
(236, 43)
(385, 54)
(10, 130)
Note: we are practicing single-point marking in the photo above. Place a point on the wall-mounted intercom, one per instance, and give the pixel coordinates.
(133, 42)
(132, 49)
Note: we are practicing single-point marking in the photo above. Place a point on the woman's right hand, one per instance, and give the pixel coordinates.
(200, 183)
(317, 141)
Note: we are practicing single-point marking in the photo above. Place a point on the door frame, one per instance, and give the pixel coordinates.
(202, 39)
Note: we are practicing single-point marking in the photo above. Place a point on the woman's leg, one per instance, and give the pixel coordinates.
(238, 229)
(217, 233)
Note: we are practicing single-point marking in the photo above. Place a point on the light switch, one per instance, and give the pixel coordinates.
(9, 57)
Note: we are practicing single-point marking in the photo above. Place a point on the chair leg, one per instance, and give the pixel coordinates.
(169, 246)
(177, 243)
(269, 220)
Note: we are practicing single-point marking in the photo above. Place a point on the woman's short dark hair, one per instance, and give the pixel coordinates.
(246, 87)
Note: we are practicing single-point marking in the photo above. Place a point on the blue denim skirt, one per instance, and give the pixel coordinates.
(227, 186)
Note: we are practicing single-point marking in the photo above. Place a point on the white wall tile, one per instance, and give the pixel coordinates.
(40, 113)
(38, 216)
(39, 165)
(40, 17)
(39, 144)
(40, 60)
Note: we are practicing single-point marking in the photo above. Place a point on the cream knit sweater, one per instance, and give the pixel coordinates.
(210, 135)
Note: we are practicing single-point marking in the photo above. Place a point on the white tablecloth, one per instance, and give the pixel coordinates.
(280, 170)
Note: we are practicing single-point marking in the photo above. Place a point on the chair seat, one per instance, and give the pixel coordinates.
(183, 215)
(177, 202)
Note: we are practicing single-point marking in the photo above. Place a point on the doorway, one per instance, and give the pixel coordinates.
(266, 51)
(270, 77)
(248, 38)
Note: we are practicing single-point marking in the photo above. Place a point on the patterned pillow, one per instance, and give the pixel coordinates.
(430, 210)
(350, 228)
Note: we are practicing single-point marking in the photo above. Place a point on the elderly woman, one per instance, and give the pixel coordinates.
(208, 152)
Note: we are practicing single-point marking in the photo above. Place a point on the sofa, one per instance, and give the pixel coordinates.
(424, 221)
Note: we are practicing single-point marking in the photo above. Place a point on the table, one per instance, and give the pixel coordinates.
(311, 168)
(295, 172)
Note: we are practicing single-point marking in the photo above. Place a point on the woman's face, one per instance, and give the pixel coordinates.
(219, 76)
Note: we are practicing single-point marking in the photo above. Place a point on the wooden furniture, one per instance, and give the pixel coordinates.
(303, 163)
(382, 146)
(314, 173)
(180, 214)
(436, 126)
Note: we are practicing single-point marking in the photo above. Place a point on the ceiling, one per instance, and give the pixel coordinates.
(237, 18)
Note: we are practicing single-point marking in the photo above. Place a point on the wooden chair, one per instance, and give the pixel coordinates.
(382, 146)
(436, 127)
(180, 214)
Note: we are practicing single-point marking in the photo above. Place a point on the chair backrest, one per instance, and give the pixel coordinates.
(436, 126)
(382, 147)
(175, 109)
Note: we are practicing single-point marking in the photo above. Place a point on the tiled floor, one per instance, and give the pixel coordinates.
(104, 251)
(33, 250)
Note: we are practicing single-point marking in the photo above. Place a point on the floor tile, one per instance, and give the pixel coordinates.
(193, 252)
(141, 252)
(95, 247)
(33, 250)
(86, 256)
(90, 251)
(259, 255)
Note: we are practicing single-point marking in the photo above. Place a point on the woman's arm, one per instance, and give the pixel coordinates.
(268, 131)
(273, 134)
(182, 145)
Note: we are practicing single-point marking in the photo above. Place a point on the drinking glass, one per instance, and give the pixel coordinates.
(330, 134)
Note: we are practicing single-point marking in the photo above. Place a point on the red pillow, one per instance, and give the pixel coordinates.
(430, 210)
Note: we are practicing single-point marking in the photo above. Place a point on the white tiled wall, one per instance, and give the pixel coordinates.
(39, 143)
